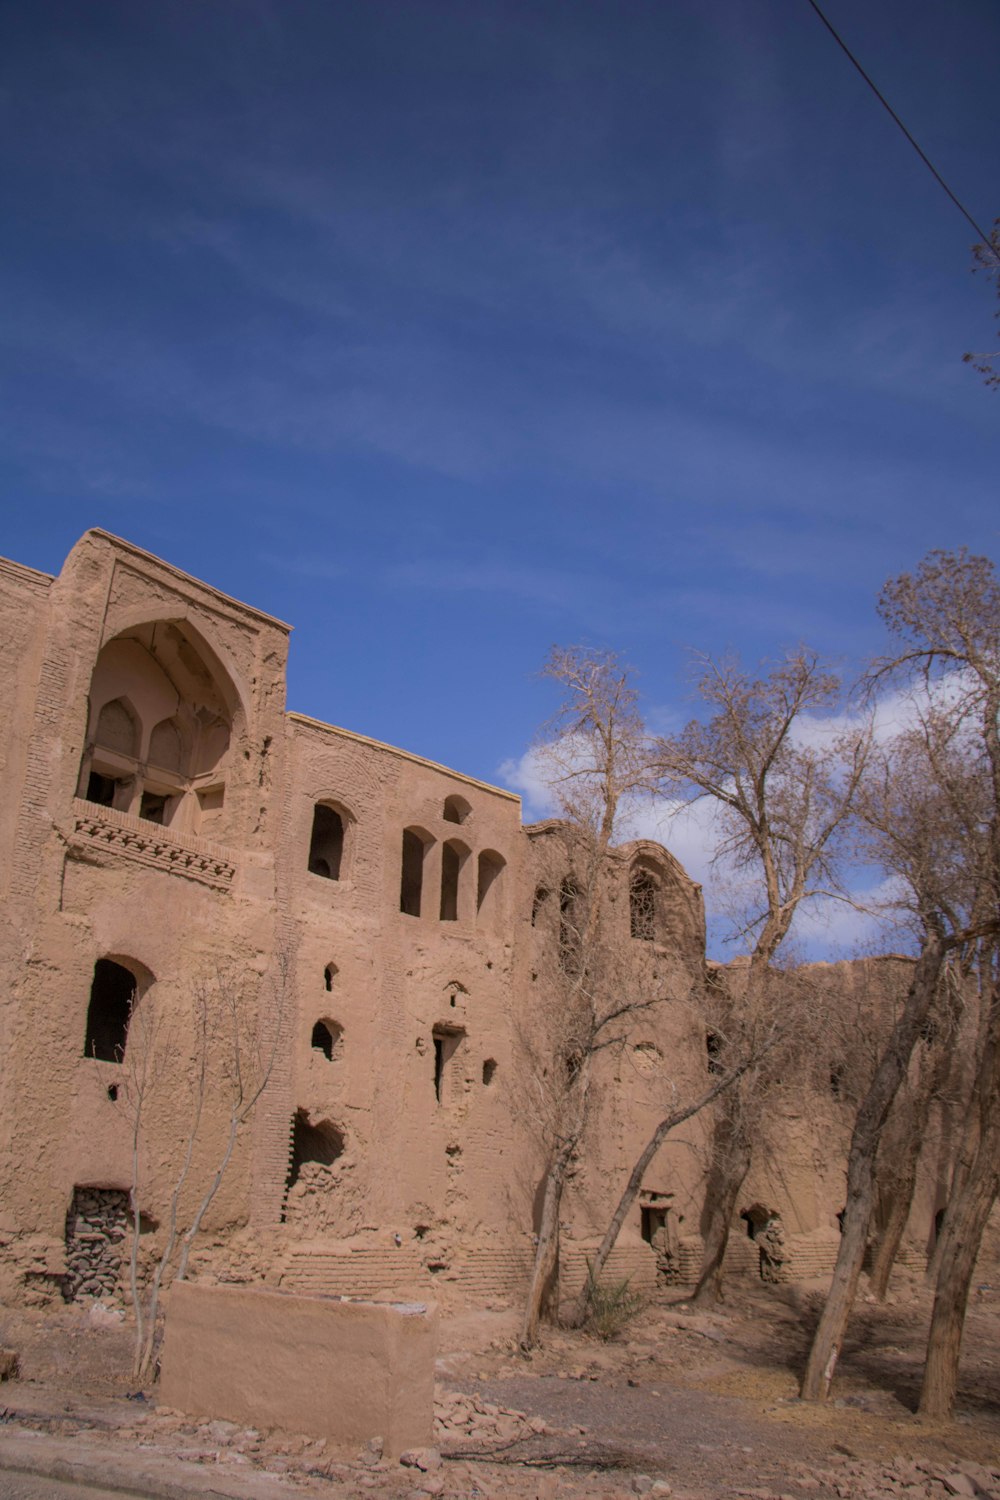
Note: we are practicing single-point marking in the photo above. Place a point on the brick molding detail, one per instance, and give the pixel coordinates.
(106, 830)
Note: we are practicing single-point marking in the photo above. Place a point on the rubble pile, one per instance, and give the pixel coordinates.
(910, 1479)
(96, 1225)
(461, 1420)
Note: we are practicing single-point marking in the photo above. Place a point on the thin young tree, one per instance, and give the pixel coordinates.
(593, 758)
(931, 810)
(783, 784)
(231, 1064)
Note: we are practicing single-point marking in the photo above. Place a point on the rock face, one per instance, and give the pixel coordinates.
(182, 861)
(96, 1227)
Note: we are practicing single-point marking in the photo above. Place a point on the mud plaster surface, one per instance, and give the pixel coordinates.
(701, 1403)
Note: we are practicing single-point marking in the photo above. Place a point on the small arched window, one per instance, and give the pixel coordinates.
(538, 904)
(326, 846)
(642, 897)
(453, 860)
(411, 883)
(456, 810)
(113, 994)
(329, 975)
(325, 1038)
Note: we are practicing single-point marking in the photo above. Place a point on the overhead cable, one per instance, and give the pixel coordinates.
(887, 106)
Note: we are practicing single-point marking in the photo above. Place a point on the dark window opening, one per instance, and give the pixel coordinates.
(320, 1144)
(489, 1071)
(456, 810)
(652, 1220)
(112, 996)
(452, 859)
(325, 1036)
(412, 874)
(326, 846)
(836, 1080)
(153, 807)
(540, 897)
(329, 974)
(642, 905)
(713, 1047)
(446, 1044)
(756, 1218)
(113, 1092)
(101, 789)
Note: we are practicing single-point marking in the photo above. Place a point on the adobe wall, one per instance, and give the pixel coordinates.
(344, 1371)
(89, 882)
(392, 936)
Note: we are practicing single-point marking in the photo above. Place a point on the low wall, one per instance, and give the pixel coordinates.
(344, 1371)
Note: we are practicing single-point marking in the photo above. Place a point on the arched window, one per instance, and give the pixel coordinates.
(642, 893)
(453, 859)
(456, 810)
(538, 904)
(326, 1037)
(158, 738)
(326, 845)
(491, 866)
(411, 884)
(329, 975)
(113, 993)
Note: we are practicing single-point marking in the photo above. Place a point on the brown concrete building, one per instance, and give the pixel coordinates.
(175, 844)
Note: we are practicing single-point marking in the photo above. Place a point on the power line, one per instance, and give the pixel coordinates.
(887, 106)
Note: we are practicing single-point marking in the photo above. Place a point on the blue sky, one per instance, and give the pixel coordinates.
(450, 331)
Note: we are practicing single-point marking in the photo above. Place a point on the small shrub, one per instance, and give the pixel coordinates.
(611, 1306)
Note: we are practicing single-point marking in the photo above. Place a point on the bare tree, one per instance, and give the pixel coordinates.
(593, 757)
(931, 808)
(233, 1059)
(784, 805)
(986, 258)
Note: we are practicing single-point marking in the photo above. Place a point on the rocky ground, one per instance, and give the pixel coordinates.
(679, 1403)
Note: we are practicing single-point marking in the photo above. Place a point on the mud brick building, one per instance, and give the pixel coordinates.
(172, 836)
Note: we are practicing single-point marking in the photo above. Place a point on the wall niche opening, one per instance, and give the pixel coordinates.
(411, 883)
(319, 1144)
(326, 844)
(456, 810)
(113, 994)
(326, 1036)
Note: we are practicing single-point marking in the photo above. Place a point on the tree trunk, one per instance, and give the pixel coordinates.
(906, 1147)
(962, 1235)
(727, 1175)
(634, 1184)
(891, 1235)
(889, 1074)
(966, 1223)
(545, 1271)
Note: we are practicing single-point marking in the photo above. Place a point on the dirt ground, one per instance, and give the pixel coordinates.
(685, 1403)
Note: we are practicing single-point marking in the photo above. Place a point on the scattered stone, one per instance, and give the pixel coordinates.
(423, 1459)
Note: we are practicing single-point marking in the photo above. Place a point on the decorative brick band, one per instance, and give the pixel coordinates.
(106, 830)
